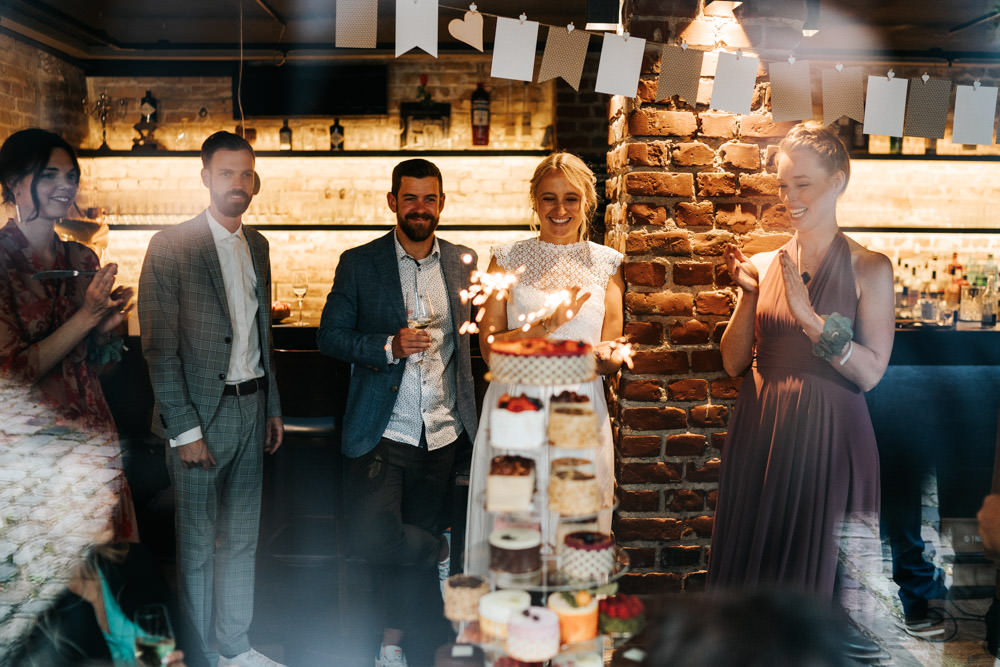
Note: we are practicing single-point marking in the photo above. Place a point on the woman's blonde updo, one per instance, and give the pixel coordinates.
(578, 175)
(821, 140)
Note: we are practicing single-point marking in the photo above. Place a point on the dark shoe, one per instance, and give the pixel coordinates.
(929, 624)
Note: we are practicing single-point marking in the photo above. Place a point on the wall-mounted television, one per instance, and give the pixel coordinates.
(314, 89)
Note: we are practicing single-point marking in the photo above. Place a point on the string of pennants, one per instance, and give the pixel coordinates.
(915, 107)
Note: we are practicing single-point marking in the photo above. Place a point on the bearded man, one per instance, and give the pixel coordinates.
(204, 315)
(411, 402)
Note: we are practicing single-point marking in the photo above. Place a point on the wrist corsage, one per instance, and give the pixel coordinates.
(837, 332)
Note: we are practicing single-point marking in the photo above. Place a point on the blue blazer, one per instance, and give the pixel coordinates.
(365, 307)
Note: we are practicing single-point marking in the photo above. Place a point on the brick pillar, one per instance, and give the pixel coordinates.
(683, 182)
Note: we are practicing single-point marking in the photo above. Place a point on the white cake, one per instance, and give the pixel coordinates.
(542, 361)
(517, 423)
(495, 610)
(510, 484)
(533, 635)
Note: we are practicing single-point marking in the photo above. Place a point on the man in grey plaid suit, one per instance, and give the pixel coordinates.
(204, 311)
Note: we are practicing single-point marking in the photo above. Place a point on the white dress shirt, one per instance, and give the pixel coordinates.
(240, 281)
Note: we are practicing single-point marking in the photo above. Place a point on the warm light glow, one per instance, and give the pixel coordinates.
(721, 7)
(482, 286)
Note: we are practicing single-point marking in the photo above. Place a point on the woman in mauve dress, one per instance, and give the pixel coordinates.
(800, 458)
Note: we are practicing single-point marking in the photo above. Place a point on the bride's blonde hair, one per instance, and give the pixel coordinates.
(578, 175)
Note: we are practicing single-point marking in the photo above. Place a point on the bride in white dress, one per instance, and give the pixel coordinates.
(558, 259)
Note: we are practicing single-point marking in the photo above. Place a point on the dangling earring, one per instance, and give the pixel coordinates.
(17, 212)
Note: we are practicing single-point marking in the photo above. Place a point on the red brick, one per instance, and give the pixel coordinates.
(649, 473)
(706, 361)
(712, 499)
(638, 501)
(762, 126)
(668, 244)
(651, 58)
(656, 122)
(700, 525)
(706, 473)
(659, 362)
(693, 154)
(685, 444)
(726, 388)
(660, 303)
(647, 87)
(754, 244)
(775, 218)
(646, 274)
(693, 273)
(714, 303)
(647, 214)
(709, 415)
(718, 125)
(718, 440)
(644, 333)
(617, 159)
(640, 446)
(653, 419)
(640, 557)
(685, 500)
(651, 583)
(720, 328)
(688, 389)
(740, 156)
(739, 218)
(759, 185)
(711, 243)
(680, 556)
(689, 332)
(642, 390)
(722, 276)
(647, 529)
(693, 214)
(660, 184)
(771, 159)
(716, 184)
(649, 154)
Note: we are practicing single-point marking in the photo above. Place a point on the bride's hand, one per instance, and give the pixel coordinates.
(567, 309)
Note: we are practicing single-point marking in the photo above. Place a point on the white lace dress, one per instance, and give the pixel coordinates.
(549, 269)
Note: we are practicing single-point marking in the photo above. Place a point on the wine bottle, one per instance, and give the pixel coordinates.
(336, 136)
(285, 137)
(480, 116)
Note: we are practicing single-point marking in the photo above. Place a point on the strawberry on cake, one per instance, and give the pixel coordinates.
(517, 423)
(541, 361)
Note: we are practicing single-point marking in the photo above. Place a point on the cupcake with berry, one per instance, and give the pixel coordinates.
(621, 614)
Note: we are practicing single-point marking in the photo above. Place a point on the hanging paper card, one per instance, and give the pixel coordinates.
(974, 109)
(679, 71)
(885, 104)
(843, 94)
(468, 29)
(621, 60)
(514, 49)
(791, 98)
(926, 108)
(357, 24)
(565, 53)
(416, 26)
(734, 81)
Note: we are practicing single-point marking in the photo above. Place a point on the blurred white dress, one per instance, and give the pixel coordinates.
(549, 268)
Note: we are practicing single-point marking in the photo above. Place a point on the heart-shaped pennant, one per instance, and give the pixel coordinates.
(468, 29)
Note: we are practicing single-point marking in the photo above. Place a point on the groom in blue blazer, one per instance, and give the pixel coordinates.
(411, 402)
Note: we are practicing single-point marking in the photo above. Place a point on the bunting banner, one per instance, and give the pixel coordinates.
(886, 105)
(926, 108)
(468, 29)
(416, 26)
(357, 24)
(791, 91)
(564, 56)
(843, 94)
(680, 70)
(621, 60)
(735, 78)
(514, 49)
(975, 107)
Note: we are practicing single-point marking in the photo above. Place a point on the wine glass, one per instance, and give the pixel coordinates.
(154, 638)
(300, 285)
(419, 315)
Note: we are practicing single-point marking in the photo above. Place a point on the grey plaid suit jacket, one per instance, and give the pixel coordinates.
(364, 307)
(185, 326)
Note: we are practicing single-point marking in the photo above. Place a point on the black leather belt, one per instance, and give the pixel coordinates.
(243, 388)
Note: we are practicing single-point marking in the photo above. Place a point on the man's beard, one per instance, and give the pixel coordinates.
(231, 208)
(416, 233)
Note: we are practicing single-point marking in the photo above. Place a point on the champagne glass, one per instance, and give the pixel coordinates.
(419, 315)
(300, 285)
(154, 638)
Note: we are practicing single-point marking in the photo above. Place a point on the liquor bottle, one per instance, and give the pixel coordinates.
(480, 116)
(148, 107)
(336, 136)
(989, 316)
(285, 137)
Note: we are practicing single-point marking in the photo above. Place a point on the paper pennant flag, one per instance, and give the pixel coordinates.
(927, 108)
(357, 24)
(843, 94)
(885, 106)
(514, 49)
(791, 96)
(734, 81)
(974, 109)
(565, 53)
(416, 26)
(621, 60)
(679, 72)
(468, 29)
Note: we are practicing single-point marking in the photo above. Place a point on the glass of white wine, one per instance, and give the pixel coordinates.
(419, 315)
(300, 285)
(154, 638)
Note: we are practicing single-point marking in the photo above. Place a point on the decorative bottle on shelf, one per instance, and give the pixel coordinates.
(149, 107)
(480, 116)
(285, 137)
(336, 136)
(989, 316)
